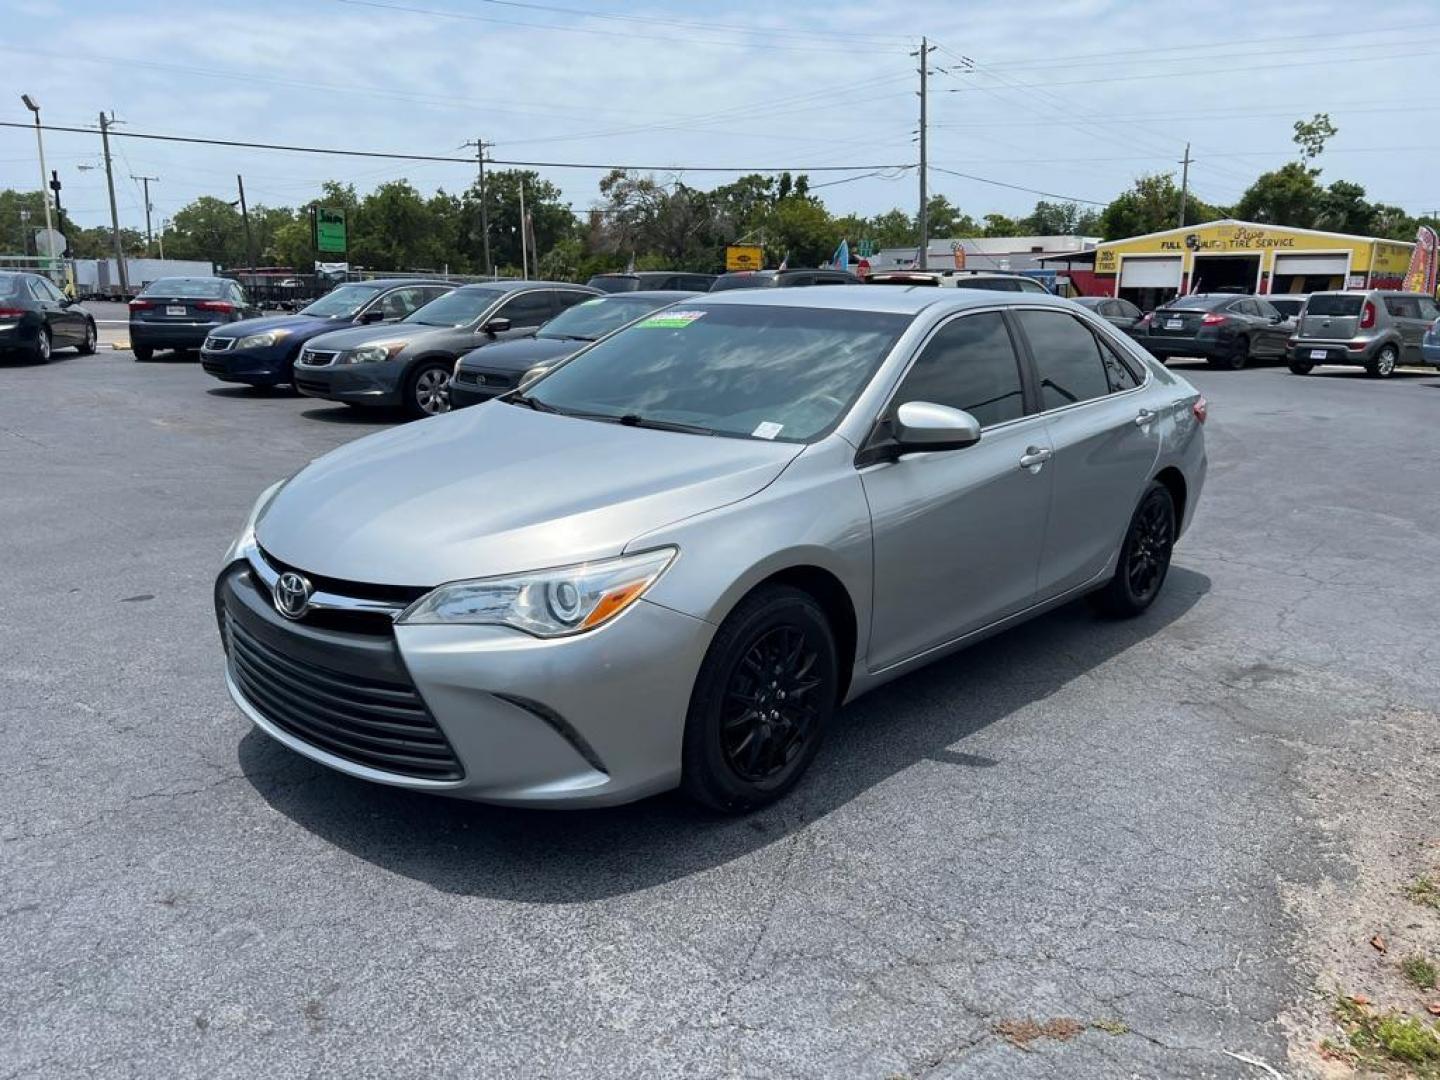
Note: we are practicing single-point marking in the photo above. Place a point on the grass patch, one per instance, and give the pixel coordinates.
(1111, 1027)
(1420, 971)
(1386, 1042)
(1425, 891)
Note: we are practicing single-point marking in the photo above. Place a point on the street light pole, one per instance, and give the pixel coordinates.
(44, 190)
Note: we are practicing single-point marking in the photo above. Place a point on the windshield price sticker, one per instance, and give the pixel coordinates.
(768, 430)
(672, 320)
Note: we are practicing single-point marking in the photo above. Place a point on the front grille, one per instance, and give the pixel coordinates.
(318, 357)
(488, 379)
(219, 344)
(381, 724)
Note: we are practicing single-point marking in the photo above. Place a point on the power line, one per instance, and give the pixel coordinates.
(1019, 187)
(335, 151)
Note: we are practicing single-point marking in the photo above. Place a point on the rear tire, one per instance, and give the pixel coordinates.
(1384, 364)
(143, 353)
(1238, 355)
(1144, 561)
(1298, 367)
(763, 698)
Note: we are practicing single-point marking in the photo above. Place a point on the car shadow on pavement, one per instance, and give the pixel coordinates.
(541, 856)
(258, 393)
(346, 414)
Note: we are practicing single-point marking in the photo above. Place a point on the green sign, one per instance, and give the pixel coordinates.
(330, 237)
(866, 249)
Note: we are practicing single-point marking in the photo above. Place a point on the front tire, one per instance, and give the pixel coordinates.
(427, 391)
(1144, 556)
(43, 346)
(87, 344)
(1384, 364)
(763, 698)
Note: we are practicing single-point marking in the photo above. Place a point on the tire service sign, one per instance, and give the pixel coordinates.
(330, 232)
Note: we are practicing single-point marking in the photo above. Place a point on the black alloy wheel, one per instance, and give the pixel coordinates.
(1144, 556)
(762, 700)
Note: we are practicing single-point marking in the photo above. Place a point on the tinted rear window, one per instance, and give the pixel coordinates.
(196, 287)
(1197, 303)
(1334, 304)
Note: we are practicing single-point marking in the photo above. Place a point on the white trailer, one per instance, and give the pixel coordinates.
(98, 278)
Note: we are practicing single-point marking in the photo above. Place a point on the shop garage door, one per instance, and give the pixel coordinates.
(1306, 265)
(1158, 272)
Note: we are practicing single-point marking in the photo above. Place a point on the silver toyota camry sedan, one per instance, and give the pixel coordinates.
(671, 560)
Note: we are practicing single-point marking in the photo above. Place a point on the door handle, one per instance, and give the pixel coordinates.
(1145, 418)
(1034, 457)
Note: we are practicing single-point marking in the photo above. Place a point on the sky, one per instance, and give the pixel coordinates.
(1074, 99)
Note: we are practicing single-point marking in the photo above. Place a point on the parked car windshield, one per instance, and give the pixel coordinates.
(199, 288)
(755, 371)
(459, 308)
(341, 302)
(595, 318)
(1334, 304)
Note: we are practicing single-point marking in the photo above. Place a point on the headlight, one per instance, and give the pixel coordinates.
(373, 354)
(546, 603)
(533, 374)
(261, 341)
(246, 540)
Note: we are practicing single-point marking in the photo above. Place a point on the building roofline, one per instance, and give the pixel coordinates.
(1181, 230)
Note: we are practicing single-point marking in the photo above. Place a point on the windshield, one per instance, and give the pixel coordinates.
(756, 371)
(187, 287)
(593, 319)
(340, 303)
(1334, 304)
(459, 308)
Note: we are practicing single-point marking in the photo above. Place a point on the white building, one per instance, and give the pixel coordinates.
(1012, 253)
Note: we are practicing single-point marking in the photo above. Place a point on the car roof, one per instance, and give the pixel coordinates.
(394, 282)
(511, 285)
(895, 299)
(651, 294)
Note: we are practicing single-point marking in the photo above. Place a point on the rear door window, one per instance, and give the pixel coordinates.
(1403, 307)
(969, 364)
(528, 309)
(1067, 358)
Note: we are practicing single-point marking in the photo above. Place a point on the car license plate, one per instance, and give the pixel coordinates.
(1317, 354)
(1174, 324)
(173, 310)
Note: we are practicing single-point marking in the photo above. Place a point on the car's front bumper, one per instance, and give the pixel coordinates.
(358, 384)
(171, 335)
(1430, 350)
(256, 367)
(593, 719)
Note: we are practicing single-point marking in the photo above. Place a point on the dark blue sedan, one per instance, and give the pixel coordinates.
(261, 352)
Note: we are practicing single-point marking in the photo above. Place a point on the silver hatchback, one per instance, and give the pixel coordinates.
(671, 560)
(1377, 330)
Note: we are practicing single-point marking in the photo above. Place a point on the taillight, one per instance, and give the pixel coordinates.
(1367, 317)
(1212, 319)
(1201, 409)
(140, 305)
(215, 305)
(1145, 319)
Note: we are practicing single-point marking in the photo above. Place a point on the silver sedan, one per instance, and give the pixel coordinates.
(671, 560)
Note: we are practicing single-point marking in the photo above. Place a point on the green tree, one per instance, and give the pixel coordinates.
(893, 228)
(1000, 225)
(550, 216)
(1312, 135)
(1151, 205)
(946, 221)
(1289, 195)
(391, 230)
(208, 228)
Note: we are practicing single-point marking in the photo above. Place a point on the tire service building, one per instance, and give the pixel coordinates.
(1241, 256)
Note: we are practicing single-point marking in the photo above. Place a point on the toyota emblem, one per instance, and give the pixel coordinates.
(292, 595)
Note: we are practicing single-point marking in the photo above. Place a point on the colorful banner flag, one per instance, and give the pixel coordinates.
(841, 261)
(1421, 277)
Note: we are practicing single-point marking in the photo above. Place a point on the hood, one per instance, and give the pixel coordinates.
(301, 326)
(361, 335)
(497, 489)
(519, 355)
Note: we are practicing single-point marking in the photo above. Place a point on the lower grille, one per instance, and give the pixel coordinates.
(381, 724)
(213, 367)
(313, 386)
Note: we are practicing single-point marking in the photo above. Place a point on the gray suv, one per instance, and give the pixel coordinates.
(1376, 330)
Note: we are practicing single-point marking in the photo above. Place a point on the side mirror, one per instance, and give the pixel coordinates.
(495, 326)
(375, 314)
(922, 426)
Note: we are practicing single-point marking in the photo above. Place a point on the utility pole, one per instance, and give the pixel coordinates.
(923, 253)
(114, 213)
(1184, 185)
(479, 145)
(245, 217)
(149, 236)
(524, 256)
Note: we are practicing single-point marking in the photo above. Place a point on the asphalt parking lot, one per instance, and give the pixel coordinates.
(1115, 824)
